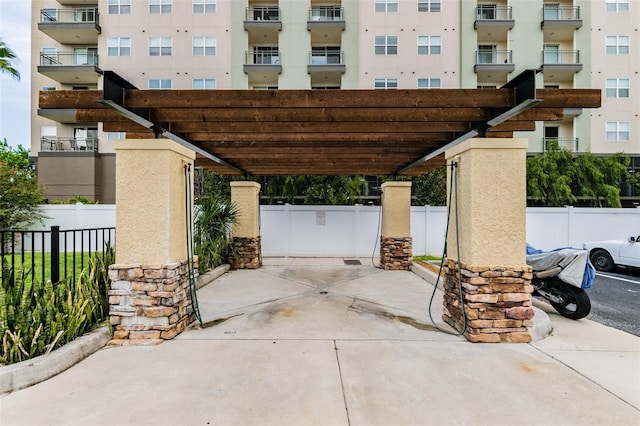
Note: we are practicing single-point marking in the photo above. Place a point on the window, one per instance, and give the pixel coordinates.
(487, 54)
(551, 54)
(156, 83)
(551, 12)
(119, 7)
(112, 136)
(49, 56)
(617, 88)
(386, 45)
(49, 15)
(329, 55)
(203, 83)
(486, 12)
(429, 45)
(617, 45)
(204, 46)
(617, 5)
(266, 55)
(618, 131)
(159, 46)
(429, 5)
(386, 5)
(386, 83)
(204, 6)
(429, 83)
(85, 56)
(119, 46)
(160, 6)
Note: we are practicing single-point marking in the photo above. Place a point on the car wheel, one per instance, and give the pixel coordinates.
(602, 260)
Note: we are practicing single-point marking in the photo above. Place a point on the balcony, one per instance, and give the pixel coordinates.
(560, 65)
(70, 68)
(493, 22)
(326, 24)
(493, 65)
(71, 26)
(58, 144)
(263, 24)
(560, 22)
(263, 65)
(567, 144)
(326, 66)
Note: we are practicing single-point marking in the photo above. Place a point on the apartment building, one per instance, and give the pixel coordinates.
(328, 44)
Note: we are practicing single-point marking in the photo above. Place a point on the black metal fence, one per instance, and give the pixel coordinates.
(51, 254)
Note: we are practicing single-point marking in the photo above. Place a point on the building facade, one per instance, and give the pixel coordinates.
(329, 44)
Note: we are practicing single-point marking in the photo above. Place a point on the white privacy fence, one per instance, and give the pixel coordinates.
(353, 231)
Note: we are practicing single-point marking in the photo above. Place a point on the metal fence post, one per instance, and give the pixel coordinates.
(55, 254)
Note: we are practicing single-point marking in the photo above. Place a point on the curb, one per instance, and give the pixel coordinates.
(211, 275)
(542, 326)
(35, 370)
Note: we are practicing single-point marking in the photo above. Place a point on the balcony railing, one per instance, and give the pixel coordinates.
(326, 13)
(69, 59)
(53, 143)
(80, 15)
(262, 13)
(560, 13)
(260, 57)
(493, 57)
(567, 144)
(560, 57)
(326, 57)
(493, 13)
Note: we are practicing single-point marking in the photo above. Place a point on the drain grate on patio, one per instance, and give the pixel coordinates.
(352, 262)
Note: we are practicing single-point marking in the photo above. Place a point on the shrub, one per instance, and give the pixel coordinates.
(36, 318)
(212, 232)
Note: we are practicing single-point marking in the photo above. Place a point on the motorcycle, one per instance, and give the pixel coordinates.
(561, 277)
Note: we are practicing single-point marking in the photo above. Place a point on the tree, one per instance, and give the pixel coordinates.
(598, 179)
(20, 193)
(431, 188)
(548, 177)
(557, 178)
(7, 57)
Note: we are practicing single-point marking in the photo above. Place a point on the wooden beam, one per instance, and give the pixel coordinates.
(318, 114)
(569, 98)
(442, 98)
(323, 128)
(241, 139)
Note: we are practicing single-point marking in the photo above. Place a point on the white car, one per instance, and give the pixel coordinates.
(605, 255)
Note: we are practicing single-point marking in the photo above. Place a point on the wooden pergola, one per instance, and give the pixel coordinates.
(321, 132)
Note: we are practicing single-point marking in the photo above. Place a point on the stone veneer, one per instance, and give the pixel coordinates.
(396, 253)
(497, 302)
(249, 253)
(149, 303)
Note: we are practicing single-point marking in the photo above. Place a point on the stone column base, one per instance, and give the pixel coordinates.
(497, 302)
(396, 253)
(249, 251)
(149, 303)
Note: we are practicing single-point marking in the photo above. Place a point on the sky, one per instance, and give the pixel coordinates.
(15, 101)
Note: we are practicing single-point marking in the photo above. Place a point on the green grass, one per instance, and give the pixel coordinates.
(426, 258)
(35, 262)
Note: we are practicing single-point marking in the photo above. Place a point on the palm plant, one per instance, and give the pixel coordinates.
(7, 56)
(212, 232)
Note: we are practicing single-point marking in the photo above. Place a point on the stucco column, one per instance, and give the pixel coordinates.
(395, 235)
(150, 297)
(490, 187)
(246, 232)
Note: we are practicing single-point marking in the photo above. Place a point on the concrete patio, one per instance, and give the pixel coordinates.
(315, 341)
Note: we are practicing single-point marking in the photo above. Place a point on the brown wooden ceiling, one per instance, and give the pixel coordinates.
(324, 132)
